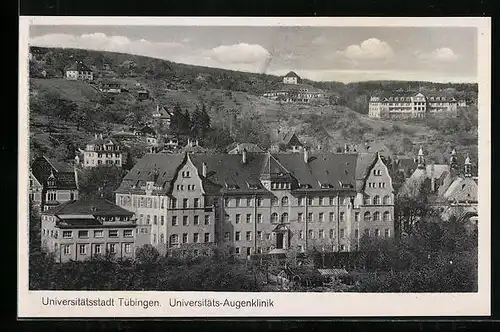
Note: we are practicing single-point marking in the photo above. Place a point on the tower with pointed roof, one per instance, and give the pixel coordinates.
(420, 158)
(467, 167)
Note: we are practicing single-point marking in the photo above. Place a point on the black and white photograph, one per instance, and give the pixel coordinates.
(285, 160)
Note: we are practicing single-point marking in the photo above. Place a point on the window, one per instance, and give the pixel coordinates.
(356, 233)
(274, 201)
(174, 221)
(311, 234)
(141, 217)
(196, 220)
(321, 200)
(184, 238)
(331, 233)
(284, 201)
(97, 249)
(237, 236)
(249, 218)
(321, 217)
(148, 219)
(377, 172)
(113, 233)
(310, 201)
(259, 218)
(162, 238)
(227, 236)
(259, 201)
(367, 232)
(186, 174)
(342, 247)
(67, 234)
(309, 217)
(238, 218)
(82, 249)
(260, 235)
(238, 202)
(377, 232)
(366, 200)
(274, 217)
(185, 203)
(321, 234)
(127, 233)
(127, 248)
(249, 202)
(249, 236)
(185, 221)
(196, 237)
(227, 202)
(331, 217)
(237, 250)
(342, 217)
(300, 217)
(376, 200)
(173, 203)
(302, 201)
(196, 252)
(387, 200)
(367, 216)
(162, 220)
(301, 235)
(66, 249)
(155, 220)
(387, 232)
(342, 233)
(356, 216)
(207, 219)
(112, 248)
(376, 216)
(249, 251)
(332, 200)
(387, 216)
(284, 217)
(207, 237)
(347, 201)
(196, 202)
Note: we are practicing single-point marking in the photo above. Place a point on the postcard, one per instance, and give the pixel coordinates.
(254, 167)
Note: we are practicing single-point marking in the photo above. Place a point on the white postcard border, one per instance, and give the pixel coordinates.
(284, 304)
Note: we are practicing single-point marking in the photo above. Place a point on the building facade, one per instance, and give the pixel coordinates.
(262, 202)
(79, 71)
(102, 152)
(410, 105)
(52, 183)
(81, 230)
(291, 78)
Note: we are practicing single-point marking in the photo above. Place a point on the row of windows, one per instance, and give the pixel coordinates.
(98, 248)
(52, 196)
(174, 238)
(113, 233)
(190, 187)
(285, 201)
(185, 220)
(375, 184)
(376, 200)
(99, 162)
(284, 218)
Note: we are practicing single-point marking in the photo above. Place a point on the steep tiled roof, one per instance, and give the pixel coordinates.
(95, 207)
(64, 175)
(227, 172)
(462, 189)
(292, 74)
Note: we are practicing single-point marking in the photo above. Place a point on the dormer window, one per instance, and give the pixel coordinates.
(186, 174)
(252, 186)
(304, 186)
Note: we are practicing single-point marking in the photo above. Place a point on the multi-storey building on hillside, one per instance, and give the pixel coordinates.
(410, 105)
(294, 91)
(102, 151)
(80, 230)
(52, 183)
(79, 71)
(262, 202)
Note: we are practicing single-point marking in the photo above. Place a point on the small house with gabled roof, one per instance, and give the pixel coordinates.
(79, 71)
(291, 78)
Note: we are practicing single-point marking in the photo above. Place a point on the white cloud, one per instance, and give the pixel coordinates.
(370, 49)
(239, 53)
(102, 42)
(443, 54)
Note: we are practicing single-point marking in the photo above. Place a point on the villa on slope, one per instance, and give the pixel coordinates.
(292, 90)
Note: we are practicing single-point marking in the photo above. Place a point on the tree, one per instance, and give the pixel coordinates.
(100, 181)
(129, 162)
(147, 255)
(34, 230)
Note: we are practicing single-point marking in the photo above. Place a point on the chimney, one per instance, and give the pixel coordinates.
(306, 155)
(75, 171)
(204, 169)
(244, 156)
(100, 136)
(95, 136)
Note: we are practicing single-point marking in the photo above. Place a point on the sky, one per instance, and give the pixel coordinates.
(345, 54)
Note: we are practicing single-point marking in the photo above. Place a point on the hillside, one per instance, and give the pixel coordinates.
(68, 112)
